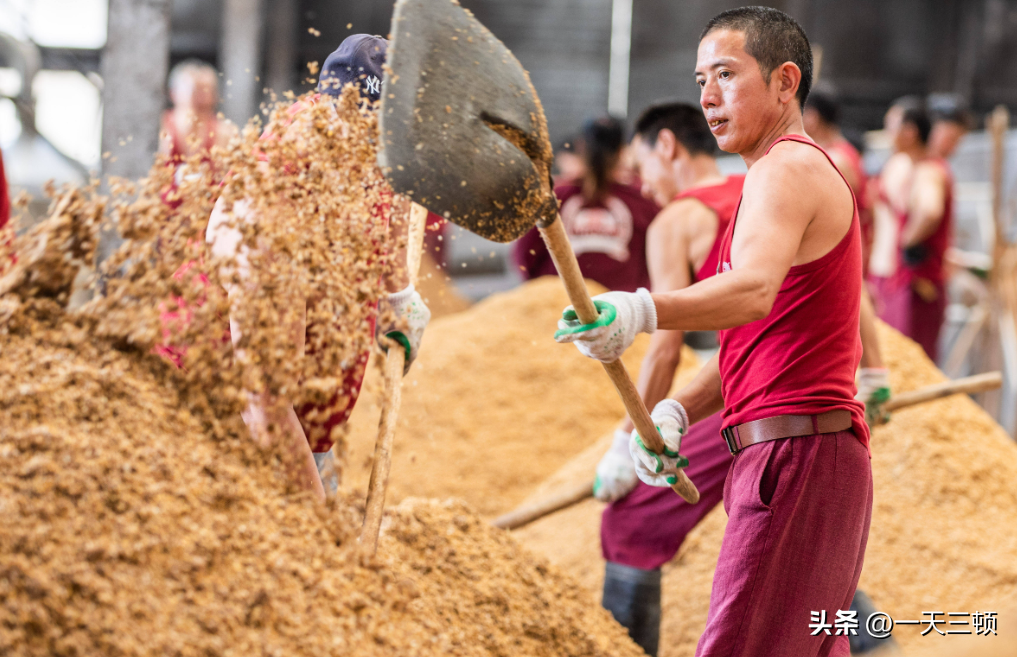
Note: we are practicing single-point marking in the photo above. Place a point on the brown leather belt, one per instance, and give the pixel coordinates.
(784, 426)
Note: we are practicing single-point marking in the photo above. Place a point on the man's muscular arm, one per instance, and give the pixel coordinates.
(667, 251)
(928, 204)
(775, 230)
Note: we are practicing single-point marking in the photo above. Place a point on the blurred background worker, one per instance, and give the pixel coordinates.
(951, 120)
(191, 126)
(606, 219)
(676, 158)
(917, 186)
(821, 118)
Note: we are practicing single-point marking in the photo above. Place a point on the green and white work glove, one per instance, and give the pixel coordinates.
(616, 473)
(662, 469)
(408, 317)
(874, 391)
(623, 315)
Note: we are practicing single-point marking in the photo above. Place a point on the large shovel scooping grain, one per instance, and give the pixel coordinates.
(568, 496)
(464, 134)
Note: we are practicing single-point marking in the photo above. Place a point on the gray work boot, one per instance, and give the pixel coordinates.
(326, 470)
(864, 642)
(632, 595)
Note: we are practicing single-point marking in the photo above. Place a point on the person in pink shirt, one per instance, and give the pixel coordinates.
(786, 301)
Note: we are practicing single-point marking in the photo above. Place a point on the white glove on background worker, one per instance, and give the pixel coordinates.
(409, 317)
(623, 315)
(616, 473)
(874, 391)
(661, 469)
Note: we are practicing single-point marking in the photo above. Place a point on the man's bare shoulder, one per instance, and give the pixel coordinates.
(683, 217)
(789, 168)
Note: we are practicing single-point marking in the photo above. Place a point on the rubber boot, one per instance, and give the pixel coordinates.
(326, 470)
(632, 595)
(864, 642)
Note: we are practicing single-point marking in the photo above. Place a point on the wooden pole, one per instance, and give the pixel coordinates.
(134, 66)
(395, 361)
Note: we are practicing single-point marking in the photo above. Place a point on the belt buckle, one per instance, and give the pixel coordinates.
(729, 438)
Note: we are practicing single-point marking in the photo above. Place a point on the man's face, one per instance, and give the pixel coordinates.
(945, 137)
(739, 104)
(654, 171)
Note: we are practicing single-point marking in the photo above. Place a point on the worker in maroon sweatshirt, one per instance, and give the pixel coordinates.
(786, 301)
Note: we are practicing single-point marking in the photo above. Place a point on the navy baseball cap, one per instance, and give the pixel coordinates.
(358, 59)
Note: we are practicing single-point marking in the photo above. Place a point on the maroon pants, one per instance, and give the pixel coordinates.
(799, 512)
(921, 320)
(645, 528)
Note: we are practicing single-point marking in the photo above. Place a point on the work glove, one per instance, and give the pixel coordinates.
(616, 473)
(407, 317)
(662, 469)
(623, 315)
(874, 391)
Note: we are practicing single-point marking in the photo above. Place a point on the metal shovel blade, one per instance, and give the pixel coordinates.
(463, 132)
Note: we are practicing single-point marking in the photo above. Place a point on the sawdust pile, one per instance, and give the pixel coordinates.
(943, 536)
(139, 517)
(493, 406)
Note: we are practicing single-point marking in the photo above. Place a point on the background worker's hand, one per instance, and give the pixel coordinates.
(662, 469)
(409, 317)
(874, 392)
(623, 315)
(616, 473)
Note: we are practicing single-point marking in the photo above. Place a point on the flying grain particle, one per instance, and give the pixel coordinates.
(313, 32)
(349, 26)
(312, 67)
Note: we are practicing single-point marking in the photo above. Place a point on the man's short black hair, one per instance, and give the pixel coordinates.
(684, 120)
(951, 108)
(918, 117)
(772, 38)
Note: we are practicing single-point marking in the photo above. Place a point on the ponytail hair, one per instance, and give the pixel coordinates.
(601, 145)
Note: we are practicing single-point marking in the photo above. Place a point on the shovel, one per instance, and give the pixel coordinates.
(566, 497)
(463, 134)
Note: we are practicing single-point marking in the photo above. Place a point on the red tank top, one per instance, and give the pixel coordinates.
(801, 358)
(932, 267)
(723, 200)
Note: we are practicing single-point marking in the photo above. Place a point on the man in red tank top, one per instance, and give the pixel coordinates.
(676, 155)
(786, 300)
(914, 301)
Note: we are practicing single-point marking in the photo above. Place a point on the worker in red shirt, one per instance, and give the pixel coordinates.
(675, 153)
(306, 431)
(606, 220)
(921, 200)
(786, 301)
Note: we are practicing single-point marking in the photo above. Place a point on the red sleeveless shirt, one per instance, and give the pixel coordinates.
(723, 200)
(801, 358)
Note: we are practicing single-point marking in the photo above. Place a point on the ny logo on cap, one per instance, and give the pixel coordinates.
(373, 85)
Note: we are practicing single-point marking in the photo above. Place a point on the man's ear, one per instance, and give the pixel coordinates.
(667, 145)
(789, 77)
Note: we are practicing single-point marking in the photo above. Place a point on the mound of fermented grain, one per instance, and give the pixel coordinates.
(493, 405)
(943, 536)
(128, 530)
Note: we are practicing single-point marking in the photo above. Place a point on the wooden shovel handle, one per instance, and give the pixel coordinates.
(969, 385)
(395, 362)
(565, 261)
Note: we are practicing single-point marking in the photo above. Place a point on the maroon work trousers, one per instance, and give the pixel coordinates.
(799, 512)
